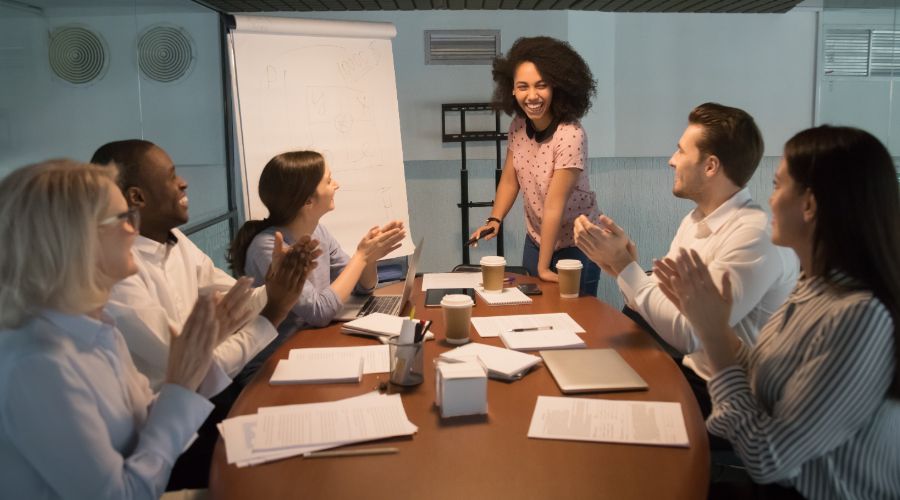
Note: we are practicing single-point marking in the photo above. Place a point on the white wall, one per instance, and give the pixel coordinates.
(185, 117)
(593, 35)
(668, 63)
(43, 116)
(651, 69)
(422, 88)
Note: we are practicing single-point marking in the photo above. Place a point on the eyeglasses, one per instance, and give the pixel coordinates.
(132, 216)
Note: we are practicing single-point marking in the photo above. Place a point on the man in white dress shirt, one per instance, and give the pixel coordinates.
(716, 157)
(173, 272)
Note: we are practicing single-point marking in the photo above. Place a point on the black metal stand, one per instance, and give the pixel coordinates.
(463, 137)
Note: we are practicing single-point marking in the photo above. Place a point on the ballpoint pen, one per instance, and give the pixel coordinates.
(532, 328)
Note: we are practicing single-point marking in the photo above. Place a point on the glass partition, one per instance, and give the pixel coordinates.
(74, 76)
(859, 68)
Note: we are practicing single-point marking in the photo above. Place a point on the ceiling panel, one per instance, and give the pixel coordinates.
(736, 6)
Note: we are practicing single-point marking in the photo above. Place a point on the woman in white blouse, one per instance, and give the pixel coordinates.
(815, 405)
(76, 419)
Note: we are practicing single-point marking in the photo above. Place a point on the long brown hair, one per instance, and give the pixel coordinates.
(286, 183)
(854, 181)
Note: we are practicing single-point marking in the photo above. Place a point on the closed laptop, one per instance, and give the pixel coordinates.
(591, 370)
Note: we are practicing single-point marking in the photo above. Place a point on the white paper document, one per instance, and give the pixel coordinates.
(491, 326)
(240, 433)
(610, 421)
(324, 423)
(450, 280)
(537, 340)
(501, 363)
(376, 357)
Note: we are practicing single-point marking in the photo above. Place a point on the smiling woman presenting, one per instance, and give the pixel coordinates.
(548, 87)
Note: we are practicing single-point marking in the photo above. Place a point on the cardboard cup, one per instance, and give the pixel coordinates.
(457, 313)
(569, 271)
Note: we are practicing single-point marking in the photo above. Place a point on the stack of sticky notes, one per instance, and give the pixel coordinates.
(461, 388)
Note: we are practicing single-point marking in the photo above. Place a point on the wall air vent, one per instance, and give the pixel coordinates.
(77, 55)
(461, 46)
(165, 53)
(862, 52)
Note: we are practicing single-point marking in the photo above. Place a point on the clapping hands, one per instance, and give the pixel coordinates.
(605, 243)
(287, 273)
(686, 281)
(380, 241)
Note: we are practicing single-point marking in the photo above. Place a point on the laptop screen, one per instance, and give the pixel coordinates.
(410, 284)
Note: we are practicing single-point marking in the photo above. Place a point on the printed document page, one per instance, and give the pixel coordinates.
(604, 420)
(491, 326)
(322, 423)
(238, 433)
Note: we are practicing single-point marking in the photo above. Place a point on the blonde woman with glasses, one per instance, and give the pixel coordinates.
(77, 420)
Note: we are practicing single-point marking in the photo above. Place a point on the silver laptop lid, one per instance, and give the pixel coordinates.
(409, 286)
(591, 370)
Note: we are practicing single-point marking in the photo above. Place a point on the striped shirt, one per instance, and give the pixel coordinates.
(808, 406)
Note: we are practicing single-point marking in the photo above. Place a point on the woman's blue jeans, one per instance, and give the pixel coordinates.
(590, 274)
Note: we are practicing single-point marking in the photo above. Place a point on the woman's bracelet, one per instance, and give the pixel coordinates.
(492, 219)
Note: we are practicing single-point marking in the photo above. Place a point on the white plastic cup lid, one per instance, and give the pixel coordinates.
(457, 300)
(493, 260)
(569, 264)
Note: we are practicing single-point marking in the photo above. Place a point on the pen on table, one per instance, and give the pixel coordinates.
(532, 328)
(351, 453)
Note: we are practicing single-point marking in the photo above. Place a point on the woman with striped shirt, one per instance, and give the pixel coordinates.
(815, 405)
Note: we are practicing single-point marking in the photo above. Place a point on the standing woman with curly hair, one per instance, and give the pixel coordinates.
(548, 87)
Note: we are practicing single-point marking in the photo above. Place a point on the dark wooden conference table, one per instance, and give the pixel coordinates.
(486, 456)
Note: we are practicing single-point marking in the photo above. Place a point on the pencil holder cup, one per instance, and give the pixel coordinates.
(406, 362)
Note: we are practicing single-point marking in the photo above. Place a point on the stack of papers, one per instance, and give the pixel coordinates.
(603, 420)
(312, 371)
(506, 297)
(374, 325)
(278, 432)
(501, 363)
(376, 357)
(379, 325)
(542, 340)
(491, 326)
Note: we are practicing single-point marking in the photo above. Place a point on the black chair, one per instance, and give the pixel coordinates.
(475, 268)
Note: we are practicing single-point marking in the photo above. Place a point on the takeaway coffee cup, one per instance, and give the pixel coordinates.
(492, 273)
(457, 313)
(569, 272)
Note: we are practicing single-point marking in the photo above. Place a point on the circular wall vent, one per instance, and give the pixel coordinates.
(77, 54)
(165, 53)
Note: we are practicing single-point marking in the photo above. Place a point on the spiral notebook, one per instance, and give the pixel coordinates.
(508, 297)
